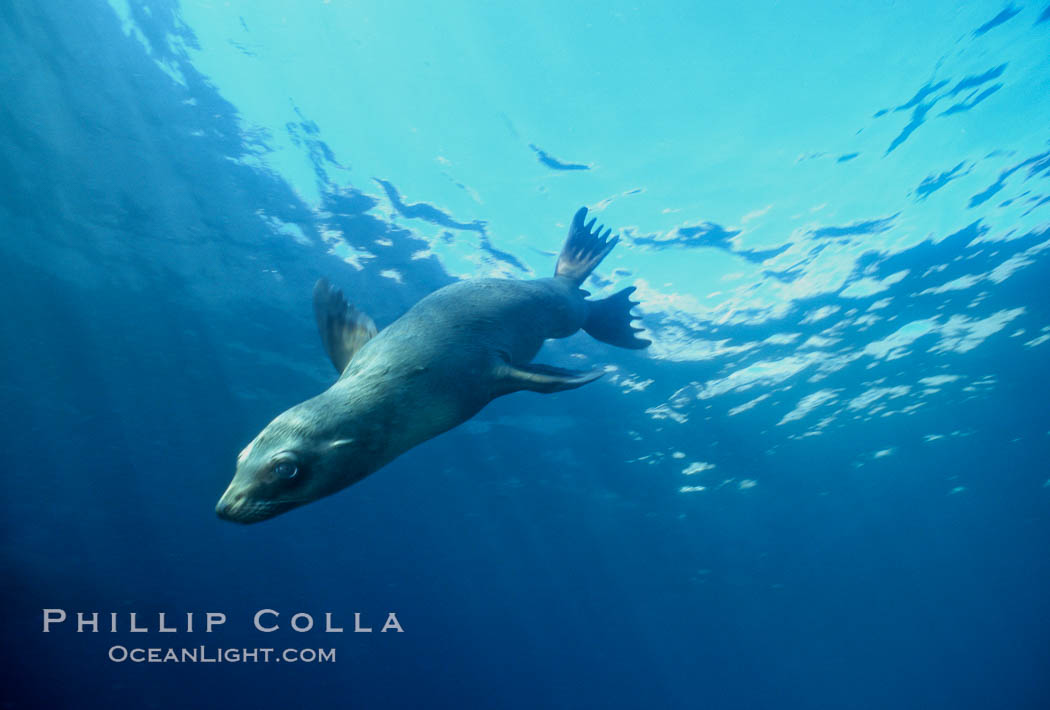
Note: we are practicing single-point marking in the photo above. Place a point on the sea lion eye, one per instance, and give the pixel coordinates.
(285, 466)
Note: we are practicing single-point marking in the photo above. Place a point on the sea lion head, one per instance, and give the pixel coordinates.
(299, 457)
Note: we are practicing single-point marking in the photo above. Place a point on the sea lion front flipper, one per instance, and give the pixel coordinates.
(540, 378)
(343, 328)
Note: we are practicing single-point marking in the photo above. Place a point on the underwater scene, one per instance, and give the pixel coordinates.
(785, 443)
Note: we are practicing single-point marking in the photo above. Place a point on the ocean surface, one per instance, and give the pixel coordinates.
(824, 485)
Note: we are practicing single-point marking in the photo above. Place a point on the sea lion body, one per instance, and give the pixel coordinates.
(433, 368)
(454, 340)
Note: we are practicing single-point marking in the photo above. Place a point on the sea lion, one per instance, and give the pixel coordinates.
(433, 368)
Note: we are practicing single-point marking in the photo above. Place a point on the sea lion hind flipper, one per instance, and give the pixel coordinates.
(584, 249)
(609, 320)
(343, 328)
(540, 378)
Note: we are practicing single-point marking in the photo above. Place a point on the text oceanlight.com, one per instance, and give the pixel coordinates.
(203, 654)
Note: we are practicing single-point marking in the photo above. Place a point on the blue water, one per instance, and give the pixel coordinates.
(825, 485)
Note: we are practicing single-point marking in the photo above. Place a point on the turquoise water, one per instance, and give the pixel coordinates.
(823, 486)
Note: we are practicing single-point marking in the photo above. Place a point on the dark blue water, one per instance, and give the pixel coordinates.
(546, 554)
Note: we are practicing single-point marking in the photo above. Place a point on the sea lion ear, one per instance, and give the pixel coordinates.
(343, 328)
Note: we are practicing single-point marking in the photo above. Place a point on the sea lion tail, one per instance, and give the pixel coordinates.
(584, 249)
(609, 320)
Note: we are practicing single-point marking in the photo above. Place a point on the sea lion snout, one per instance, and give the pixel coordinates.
(237, 507)
(227, 507)
(233, 506)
